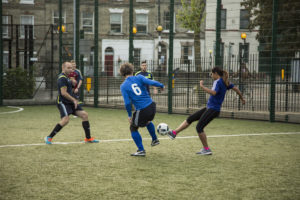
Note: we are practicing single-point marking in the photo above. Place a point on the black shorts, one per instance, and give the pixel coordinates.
(142, 117)
(67, 109)
(204, 116)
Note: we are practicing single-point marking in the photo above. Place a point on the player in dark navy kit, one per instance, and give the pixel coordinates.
(134, 91)
(147, 74)
(212, 110)
(67, 105)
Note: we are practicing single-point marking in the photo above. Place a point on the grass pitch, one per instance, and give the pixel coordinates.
(241, 167)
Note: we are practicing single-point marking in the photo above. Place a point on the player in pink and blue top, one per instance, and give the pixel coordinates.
(212, 110)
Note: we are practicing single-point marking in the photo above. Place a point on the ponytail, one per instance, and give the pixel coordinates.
(225, 78)
(223, 74)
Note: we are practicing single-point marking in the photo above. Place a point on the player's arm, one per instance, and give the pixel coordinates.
(64, 93)
(80, 78)
(154, 88)
(151, 82)
(209, 91)
(239, 93)
(127, 102)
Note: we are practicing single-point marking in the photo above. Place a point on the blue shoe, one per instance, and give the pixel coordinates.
(91, 140)
(48, 140)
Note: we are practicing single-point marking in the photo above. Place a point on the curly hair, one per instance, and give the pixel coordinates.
(126, 69)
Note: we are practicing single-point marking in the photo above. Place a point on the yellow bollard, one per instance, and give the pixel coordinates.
(88, 84)
(282, 74)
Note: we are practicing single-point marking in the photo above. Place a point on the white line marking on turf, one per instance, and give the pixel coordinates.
(166, 138)
(15, 111)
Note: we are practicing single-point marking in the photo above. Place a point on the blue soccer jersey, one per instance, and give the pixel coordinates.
(134, 91)
(215, 102)
(63, 81)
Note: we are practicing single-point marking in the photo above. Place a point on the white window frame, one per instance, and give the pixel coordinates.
(82, 25)
(26, 1)
(116, 11)
(5, 28)
(22, 29)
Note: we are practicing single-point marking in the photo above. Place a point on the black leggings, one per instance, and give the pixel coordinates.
(204, 116)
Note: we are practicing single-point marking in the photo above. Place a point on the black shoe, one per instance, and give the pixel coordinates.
(139, 153)
(155, 142)
(171, 134)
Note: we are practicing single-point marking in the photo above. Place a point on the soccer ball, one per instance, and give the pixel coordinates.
(162, 128)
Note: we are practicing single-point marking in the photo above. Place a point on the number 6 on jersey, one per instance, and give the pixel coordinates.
(136, 89)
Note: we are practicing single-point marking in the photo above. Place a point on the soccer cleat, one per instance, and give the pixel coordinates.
(171, 134)
(155, 142)
(204, 152)
(139, 153)
(48, 140)
(91, 140)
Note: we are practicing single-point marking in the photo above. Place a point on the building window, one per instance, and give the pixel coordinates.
(115, 22)
(186, 53)
(5, 61)
(4, 1)
(166, 21)
(137, 57)
(223, 18)
(141, 23)
(27, 1)
(87, 22)
(5, 26)
(26, 20)
(244, 52)
(244, 19)
(55, 19)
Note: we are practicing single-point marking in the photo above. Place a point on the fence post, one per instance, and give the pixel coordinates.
(96, 55)
(273, 60)
(82, 72)
(60, 33)
(52, 58)
(1, 58)
(218, 34)
(130, 31)
(170, 68)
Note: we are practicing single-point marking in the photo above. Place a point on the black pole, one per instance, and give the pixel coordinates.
(218, 34)
(60, 33)
(81, 92)
(52, 58)
(96, 54)
(77, 31)
(273, 60)
(170, 69)
(130, 31)
(1, 58)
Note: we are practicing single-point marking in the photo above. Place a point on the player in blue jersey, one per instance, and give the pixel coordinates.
(147, 74)
(212, 110)
(67, 105)
(135, 92)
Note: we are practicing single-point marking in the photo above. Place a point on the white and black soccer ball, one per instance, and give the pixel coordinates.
(162, 128)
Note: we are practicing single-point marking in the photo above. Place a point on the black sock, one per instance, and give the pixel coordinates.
(57, 128)
(86, 127)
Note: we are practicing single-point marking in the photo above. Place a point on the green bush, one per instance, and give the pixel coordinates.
(18, 84)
